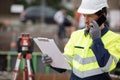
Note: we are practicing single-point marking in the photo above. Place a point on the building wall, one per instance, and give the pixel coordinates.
(5, 6)
(68, 4)
(76, 3)
(113, 4)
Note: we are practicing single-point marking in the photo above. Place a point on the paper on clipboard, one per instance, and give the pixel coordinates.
(48, 46)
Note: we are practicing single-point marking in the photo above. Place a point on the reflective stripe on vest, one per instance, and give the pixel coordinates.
(68, 58)
(92, 72)
(84, 60)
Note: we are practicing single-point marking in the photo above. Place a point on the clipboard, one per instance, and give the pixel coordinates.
(48, 46)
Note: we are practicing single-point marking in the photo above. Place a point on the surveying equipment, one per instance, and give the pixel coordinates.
(25, 48)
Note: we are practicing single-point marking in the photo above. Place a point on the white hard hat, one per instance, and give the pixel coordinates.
(92, 6)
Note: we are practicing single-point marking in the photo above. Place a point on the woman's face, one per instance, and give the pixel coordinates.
(89, 18)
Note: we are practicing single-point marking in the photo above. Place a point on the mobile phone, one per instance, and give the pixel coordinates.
(101, 20)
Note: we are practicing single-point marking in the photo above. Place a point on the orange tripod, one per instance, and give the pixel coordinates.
(25, 49)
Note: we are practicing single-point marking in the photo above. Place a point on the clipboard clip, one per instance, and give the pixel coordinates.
(43, 39)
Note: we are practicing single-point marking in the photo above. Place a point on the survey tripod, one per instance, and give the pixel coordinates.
(25, 48)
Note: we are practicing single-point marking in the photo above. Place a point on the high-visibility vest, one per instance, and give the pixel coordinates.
(81, 57)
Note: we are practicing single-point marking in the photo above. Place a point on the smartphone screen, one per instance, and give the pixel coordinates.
(101, 20)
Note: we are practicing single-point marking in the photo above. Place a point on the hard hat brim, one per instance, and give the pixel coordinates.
(85, 11)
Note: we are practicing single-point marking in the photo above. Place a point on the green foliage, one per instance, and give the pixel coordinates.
(71, 13)
(35, 3)
(55, 4)
(52, 3)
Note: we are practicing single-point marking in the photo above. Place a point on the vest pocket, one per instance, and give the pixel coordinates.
(79, 47)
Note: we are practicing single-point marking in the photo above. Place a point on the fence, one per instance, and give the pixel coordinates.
(8, 60)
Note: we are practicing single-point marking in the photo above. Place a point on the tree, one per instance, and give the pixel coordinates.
(55, 4)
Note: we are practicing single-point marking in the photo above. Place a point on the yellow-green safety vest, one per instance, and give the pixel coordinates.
(83, 61)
